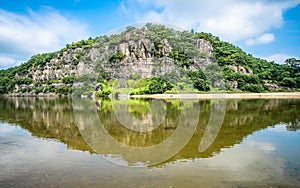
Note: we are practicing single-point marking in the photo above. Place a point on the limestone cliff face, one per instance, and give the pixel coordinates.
(138, 57)
(64, 64)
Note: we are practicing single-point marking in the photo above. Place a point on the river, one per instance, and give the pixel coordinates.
(58, 142)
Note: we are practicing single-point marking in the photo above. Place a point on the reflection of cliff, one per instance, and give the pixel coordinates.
(135, 138)
(242, 118)
(54, 118)
(45, 118)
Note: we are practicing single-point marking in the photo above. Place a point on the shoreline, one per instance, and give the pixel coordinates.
(271, 95)
(275, 95)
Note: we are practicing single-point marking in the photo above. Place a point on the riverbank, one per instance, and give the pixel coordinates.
(277, 95)
(33, 95)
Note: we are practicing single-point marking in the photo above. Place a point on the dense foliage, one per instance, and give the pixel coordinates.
(20, 74)
(230, 64)
(286, 75)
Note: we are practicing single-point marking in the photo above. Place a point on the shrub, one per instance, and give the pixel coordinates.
(68, 79)
(255, 88)
(199, 80)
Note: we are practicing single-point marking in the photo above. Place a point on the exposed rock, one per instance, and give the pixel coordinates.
(166, 47)
(272, 86)
(98, 87)
(136, 49)
(241, 69)
(205, 47)
(233, 84)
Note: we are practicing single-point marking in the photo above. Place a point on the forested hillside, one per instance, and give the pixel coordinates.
(151, 59)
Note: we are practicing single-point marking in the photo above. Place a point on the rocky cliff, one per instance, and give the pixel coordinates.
(134, 53)
(191, 60)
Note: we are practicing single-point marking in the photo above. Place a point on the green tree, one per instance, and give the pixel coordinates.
(213, 74)
(199, 80)
(69, 79)
(157, 85)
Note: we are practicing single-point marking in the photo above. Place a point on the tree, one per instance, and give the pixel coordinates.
(294, 64)
(289, 82)
(116, 58)
(69, 79)
(157, 85)
(213, 74)
(199, 80)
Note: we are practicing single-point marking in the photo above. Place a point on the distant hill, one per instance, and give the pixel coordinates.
(151, 59)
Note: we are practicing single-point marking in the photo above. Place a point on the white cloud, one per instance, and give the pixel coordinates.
(7, 61)
(264, 146)
(232, 20)
(279, 57)
(37, 32)
(253, 160)
(263, 39)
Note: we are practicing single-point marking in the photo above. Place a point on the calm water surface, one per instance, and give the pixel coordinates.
(149, 143)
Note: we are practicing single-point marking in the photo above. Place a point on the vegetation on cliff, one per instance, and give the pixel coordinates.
(147, 60)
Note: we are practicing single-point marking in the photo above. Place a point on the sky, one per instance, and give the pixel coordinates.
(268, 29)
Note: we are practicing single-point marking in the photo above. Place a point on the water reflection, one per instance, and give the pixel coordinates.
(50, 118)
(101, 131)
(167, 124)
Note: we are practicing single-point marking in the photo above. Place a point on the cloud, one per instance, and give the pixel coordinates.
(37, 32)
(263, 39)
(232, 20)
(279, 57)
(7, 61)
(264, 146)
(253, 160)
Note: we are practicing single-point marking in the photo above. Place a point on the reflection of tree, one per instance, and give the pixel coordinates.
(242, 118)
(143, 110)
(45, 118)
(294, 126)
(139, 108)
(53, 118)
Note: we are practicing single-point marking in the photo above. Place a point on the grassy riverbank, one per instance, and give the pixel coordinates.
(222, 95)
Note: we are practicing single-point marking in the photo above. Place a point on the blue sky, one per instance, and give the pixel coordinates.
(268, 29)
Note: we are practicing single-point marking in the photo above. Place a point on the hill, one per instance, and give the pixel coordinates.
(151, 59)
